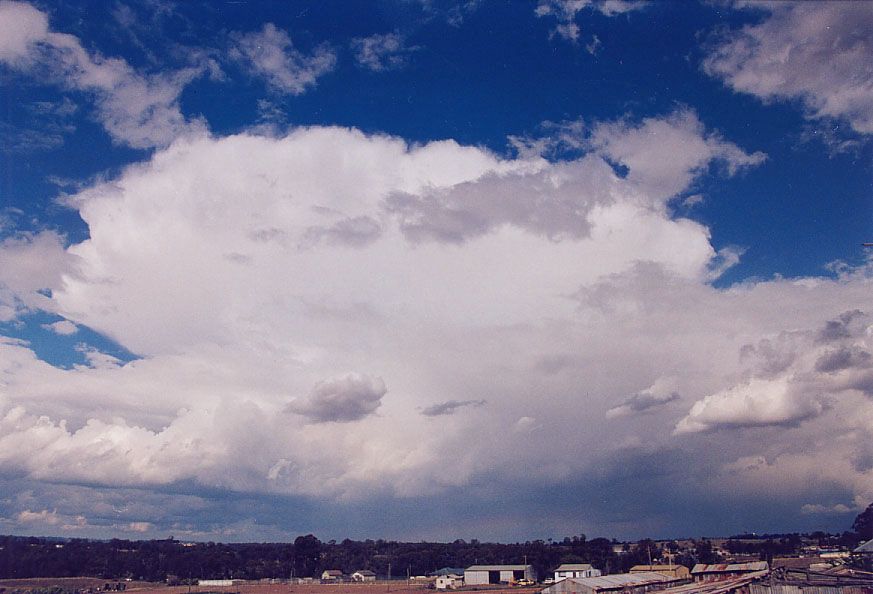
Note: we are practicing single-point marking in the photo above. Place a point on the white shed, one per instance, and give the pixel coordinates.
(363, 575)
(575, 570)
(449, 582)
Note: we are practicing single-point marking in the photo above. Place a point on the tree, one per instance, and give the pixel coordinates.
(863, 524)
(307, 555)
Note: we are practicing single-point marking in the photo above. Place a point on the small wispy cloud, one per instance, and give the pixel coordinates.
(449, 407)
(270, 54)
(382, 51)
(62, 327)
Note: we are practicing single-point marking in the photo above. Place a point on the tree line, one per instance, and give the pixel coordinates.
(175, 561)
(307, 556)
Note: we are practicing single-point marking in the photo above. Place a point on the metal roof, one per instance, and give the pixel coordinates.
(730, 567)
(867, 547)
(574, 567)
(718, 587)
(620, 580)
(498, 568)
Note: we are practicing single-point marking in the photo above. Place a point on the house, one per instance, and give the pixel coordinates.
(677, 571)
(575, 570)
(626, 583)
(363, 575)
(449, 582)
(478, 575)
(722, 571)
(331, 575)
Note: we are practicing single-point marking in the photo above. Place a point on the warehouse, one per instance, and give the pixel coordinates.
(477, 575)
(679, 571)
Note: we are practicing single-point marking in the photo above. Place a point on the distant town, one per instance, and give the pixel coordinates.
(812, 563)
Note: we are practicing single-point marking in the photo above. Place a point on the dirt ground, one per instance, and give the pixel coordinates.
(71, 583)
(395, 587)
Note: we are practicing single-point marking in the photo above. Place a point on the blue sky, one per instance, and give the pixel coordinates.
(434, 269)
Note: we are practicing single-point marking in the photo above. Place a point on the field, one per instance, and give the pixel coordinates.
(395, 587)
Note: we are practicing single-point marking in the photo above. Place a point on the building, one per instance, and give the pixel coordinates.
(478, 575)
(626, 583)
(677, 571)
(722, 571)
(215, 583)
(449, 582)
(331, 575)
(575, 570)
(363, 575)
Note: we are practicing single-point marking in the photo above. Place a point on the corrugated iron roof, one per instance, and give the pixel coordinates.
(729, 567)
(619, 580)
(719, 587)
(498, 568)
(574, 567)
(867, 547)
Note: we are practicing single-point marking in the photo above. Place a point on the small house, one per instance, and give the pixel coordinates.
(449, 582)
(331, 575)
(575, 570)
(363, 575)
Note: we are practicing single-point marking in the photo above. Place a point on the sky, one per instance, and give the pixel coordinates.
(435, 269)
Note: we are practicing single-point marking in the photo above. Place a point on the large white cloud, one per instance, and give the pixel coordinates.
(276, 285)
(816, 52)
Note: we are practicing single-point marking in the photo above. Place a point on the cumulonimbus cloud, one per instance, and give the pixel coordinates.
(234, 305)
